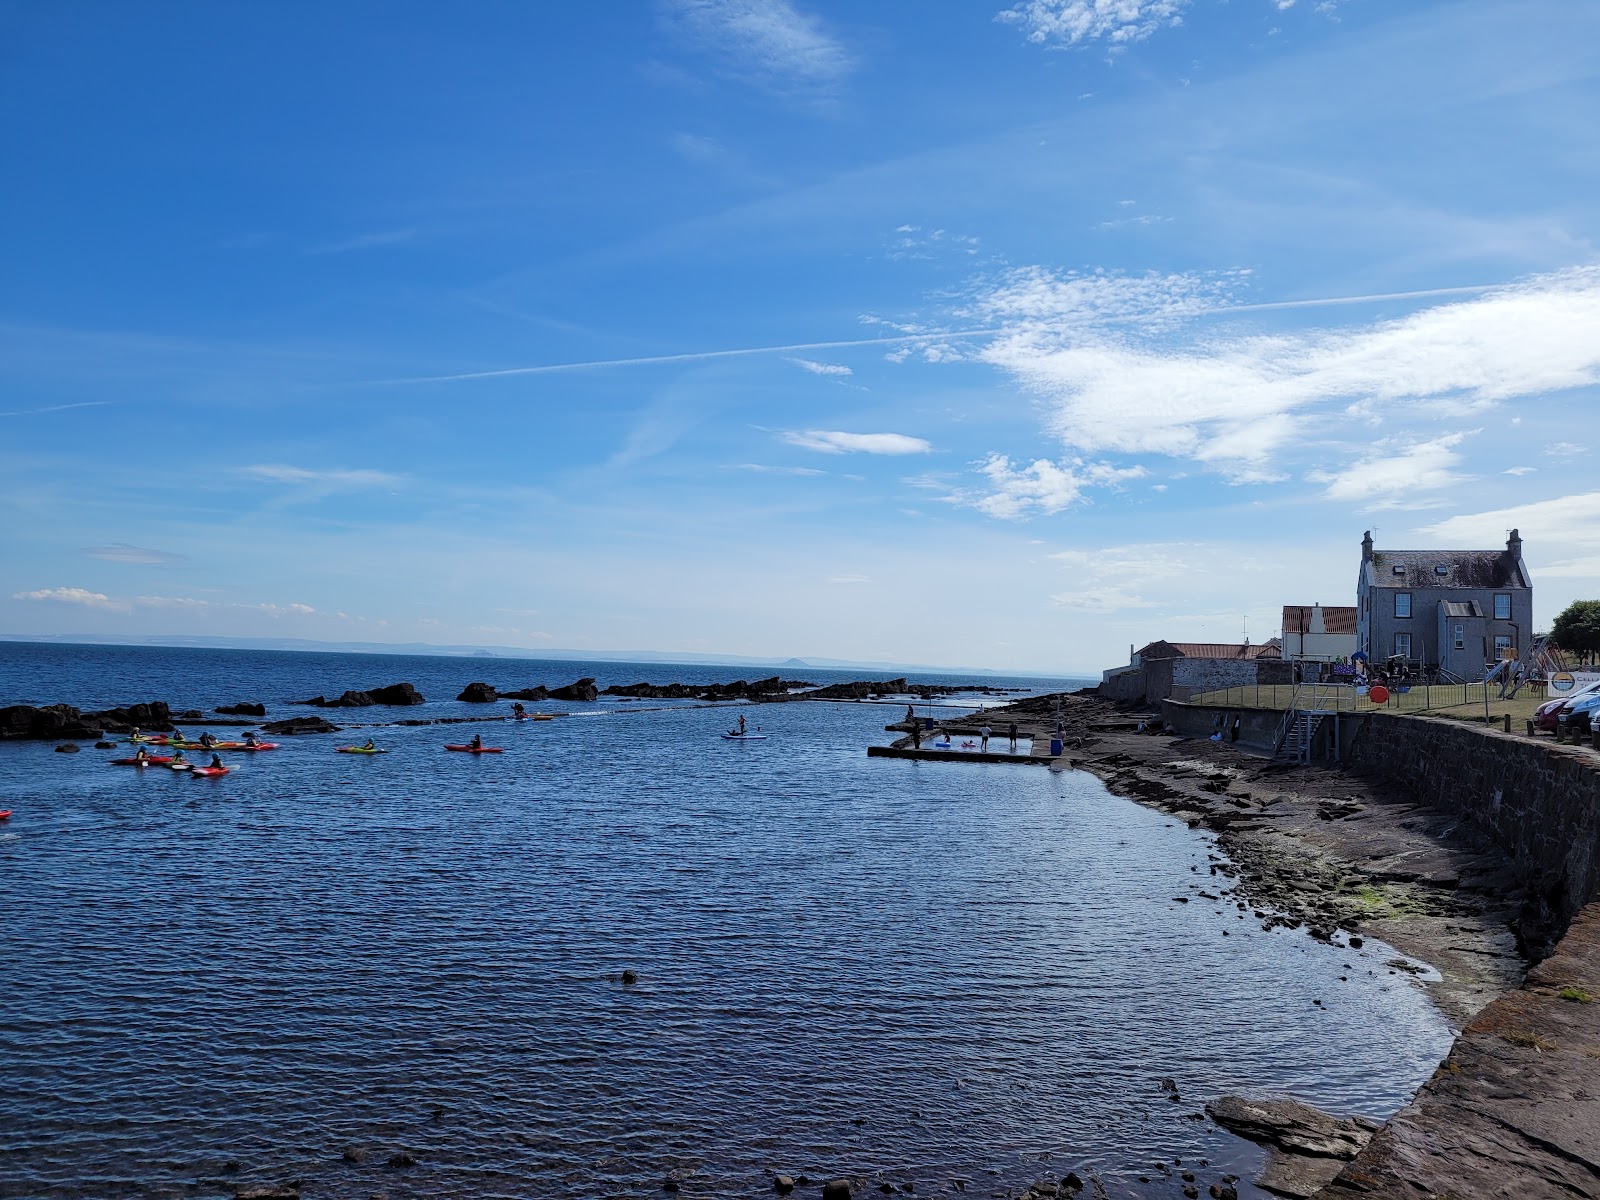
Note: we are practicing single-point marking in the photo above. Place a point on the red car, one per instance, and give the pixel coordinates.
(1545, 716)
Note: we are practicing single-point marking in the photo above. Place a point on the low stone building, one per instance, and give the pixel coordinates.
(1164, 670)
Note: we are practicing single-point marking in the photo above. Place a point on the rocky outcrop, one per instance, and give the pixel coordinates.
(1308, 1146)
(298, 725)
(1515, 1109)
(396, 694)
(532, 693)
(583, 690)
(478, 693)
(57, 722)
(865, 689)
(243, 709)
(739, 689)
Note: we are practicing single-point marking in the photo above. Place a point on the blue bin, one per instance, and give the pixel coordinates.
(1055, 747)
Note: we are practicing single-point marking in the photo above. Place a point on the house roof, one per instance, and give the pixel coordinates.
(1405, 570)
(1297, 618)
(1162, 648)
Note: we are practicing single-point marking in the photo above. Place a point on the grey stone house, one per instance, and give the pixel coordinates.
(1458, 610)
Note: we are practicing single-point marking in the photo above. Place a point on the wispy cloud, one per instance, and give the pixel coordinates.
(1235, 398)
(1564, 532)
(34, 412)
(831, 441)
(821, 368)
(365, 241)
(768, 44)
(87, 599)
(764, 469)
(122, 552)
(322, 478)
(1068, 22)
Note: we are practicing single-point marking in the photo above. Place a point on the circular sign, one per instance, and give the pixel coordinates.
(1562, 681)
(1378, 694)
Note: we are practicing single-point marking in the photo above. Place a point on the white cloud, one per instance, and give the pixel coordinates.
(1040, 488)
(822, 368)
(768, 43)
(181, 602)
(1519, 470)
(1099, 351)
(337, 478)
(73, 595)
(836, 442)
(1068, 22)
(1563, 533)
(1565, 450)
(1395, 480)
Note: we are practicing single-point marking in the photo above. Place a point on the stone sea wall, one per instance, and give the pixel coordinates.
(1537, 801)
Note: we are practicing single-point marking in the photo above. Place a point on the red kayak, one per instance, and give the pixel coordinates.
(5, 814)
(147, 760)
(208, 771)
(476, 749)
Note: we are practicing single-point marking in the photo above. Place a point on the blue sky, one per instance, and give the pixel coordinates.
(934, 333)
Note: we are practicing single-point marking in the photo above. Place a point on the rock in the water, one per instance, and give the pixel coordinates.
(532, 693)
(836, 1189)
(1292, 1126)
(298, 725)
(630, 977)
(244, 708)
(584, 690)
(105, 745)
(354, 1154)
(396, 694)
(478, 693)
(54, 722)
(401, 1159)
(783, 1185)
(68, 748)
(1309, 1147)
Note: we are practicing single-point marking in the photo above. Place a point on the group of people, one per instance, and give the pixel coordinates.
(984, 734)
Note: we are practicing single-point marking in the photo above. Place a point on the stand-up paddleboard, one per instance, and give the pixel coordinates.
(359, 750)
(476, 749)
(744, 737)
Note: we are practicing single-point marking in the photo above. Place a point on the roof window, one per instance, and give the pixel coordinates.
(1441, 570)
(1399, 570)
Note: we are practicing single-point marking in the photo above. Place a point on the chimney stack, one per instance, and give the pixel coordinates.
(1514, 545)
(1366, 546)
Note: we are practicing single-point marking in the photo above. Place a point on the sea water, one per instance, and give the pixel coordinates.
(949, 975)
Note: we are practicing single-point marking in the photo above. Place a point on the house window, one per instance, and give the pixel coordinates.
(1402, 604)
(1502, 643)
(1461, 637)
(1402, 645)
(1502, 607)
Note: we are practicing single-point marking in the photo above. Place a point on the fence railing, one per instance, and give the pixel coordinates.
(1336, 697)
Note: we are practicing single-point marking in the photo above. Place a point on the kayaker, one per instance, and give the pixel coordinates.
(249, 739)
(477, 741)
(371, 745)
(176, 735)
(177, 755)
(517, 710)
(216, 761)
(208, 739)
(141, 754)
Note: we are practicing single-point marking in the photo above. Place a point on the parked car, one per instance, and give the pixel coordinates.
(1547, 715)
(1579, 716)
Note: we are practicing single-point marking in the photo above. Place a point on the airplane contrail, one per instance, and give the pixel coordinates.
(951, 335)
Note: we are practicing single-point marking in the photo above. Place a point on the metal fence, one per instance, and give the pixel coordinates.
(1336, 697)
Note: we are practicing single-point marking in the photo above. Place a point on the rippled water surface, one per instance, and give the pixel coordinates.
(901, 971)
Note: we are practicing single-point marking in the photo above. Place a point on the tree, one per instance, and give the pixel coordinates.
(1577, 629)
